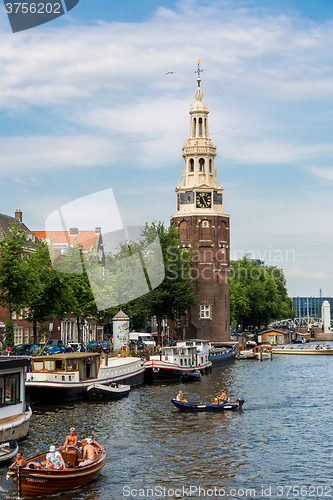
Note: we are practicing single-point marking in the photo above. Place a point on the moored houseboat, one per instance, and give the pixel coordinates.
(182, 361)
(66, 377)
(15, 414)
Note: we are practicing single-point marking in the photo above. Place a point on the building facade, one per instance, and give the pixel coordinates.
(305, 306)
(204, 227)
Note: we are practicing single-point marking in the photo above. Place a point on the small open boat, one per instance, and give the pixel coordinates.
(190, 406)
(113, 391)
(39, 482)
(8, 449)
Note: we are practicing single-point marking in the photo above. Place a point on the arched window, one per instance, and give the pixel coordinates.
(210, 165)
(194, 127)
(200, 127)
(206, 131)
(201, 165)
(191, 168)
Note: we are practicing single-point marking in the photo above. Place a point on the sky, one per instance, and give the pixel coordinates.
(86, 105)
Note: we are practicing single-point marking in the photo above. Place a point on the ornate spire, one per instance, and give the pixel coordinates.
(198, 94)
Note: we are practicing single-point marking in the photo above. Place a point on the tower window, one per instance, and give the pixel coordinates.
(200, 127)
(206, 132)
(205, 223)
(194, 127)
(191, 165)
(210, 165)
(205, 311)
(201, 164)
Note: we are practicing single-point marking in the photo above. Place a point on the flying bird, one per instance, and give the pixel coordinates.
(170, 73)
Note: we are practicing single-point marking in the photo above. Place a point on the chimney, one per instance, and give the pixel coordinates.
(73, 231)
(98, 230)
(18, 215)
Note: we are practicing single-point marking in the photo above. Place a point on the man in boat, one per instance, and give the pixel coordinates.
(223, 397)
(54, 459)
(35, 465)
(19, 462)
(89, 454)
(179, 397)
(72, 439)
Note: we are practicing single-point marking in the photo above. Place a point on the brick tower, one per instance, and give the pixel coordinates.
(203, 225)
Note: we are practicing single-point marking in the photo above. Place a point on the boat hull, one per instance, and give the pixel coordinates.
(8, 450)
(191, 406)
(97, 392)
(303, 351)
(218, 359)
(162, 371)
(57, 392)
(37, 482)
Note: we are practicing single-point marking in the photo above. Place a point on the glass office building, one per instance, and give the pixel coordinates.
(309, 305)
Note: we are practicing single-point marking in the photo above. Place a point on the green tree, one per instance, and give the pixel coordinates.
(258, 294)
(175, 294)
(165, 290)
(48, 292)
(14, 269)
(80, 300)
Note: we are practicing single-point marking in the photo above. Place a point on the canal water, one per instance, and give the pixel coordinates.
(278, 446)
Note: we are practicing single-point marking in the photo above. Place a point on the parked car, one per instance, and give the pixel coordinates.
(107, 346)
(27, 349)
(94, 346)
(54, 349)
(54, 342)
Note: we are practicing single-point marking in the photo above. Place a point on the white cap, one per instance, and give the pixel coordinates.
(52, 448)
(89, 440)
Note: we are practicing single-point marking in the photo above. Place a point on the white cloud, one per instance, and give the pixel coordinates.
(19, 155)
(267, 77)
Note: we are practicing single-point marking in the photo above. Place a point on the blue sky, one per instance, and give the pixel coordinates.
(85, 105)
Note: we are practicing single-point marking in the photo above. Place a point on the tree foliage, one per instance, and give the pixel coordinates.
(175, 293)
(258, 294)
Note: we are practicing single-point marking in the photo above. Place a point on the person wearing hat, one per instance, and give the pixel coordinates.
(89, 454)
(54, 459)
(72, 439)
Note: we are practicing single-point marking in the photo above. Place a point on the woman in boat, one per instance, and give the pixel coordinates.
(54, 459)
(179, 397)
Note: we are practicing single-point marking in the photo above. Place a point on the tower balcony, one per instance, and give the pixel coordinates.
(202, 150)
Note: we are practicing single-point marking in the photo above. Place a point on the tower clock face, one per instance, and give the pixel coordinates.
(204, 200)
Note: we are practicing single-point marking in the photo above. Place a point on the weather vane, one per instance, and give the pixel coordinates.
(198, 71)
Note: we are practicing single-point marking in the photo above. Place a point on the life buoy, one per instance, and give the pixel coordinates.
(156, 370)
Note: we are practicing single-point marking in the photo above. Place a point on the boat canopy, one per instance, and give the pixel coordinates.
(87, 364)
